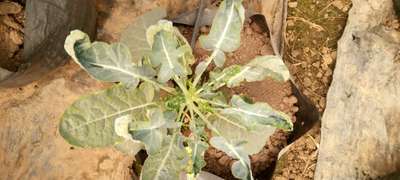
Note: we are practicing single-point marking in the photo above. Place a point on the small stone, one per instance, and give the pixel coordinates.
(16, 38)
(328, 72)
(256, 28)
(223, 160)
(333, 54)
(9, 8)
(292, 4)
(295, 109)
(322, 102)
(265, 51)
(292, 100)
(10, 23)
(248, 31)
(338, 4)
(296, 53)
(316, 64)
(325, 79)
(106, 164)
(319, 75)
(307, 82)
(286, 100)
(204, 29)
(290, 22)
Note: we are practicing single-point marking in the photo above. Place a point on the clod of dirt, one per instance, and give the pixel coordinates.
(300, 160)
(11, 35)
(9, 8)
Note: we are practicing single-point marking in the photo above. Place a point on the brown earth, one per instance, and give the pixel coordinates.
(313, 29)
(12, 19)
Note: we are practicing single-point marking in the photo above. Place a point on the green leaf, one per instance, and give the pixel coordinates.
(257, 114)
(149, 91)
(129, 147)
(219, 59)
(135, 34)
(170, 51)
(150, 131)
(250, 123)
(197, 146)
(242, 167)
(225, 31)
(166, 54)
(91, 120)
(255, 135)
(197, 149)
(110, 63)
(220, 78)
(258, 69)
(226, 27)
(167, 163)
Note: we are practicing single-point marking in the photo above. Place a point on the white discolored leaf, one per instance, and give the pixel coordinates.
(129, 147)
(201, 67)
(225, 30)
(257, 114)
(162, 25)
(240, 169)
(250, 123)
(135, 34)
(149, 91)
(90, 121)
(254, 136)
(150, 131)
(170, 51)
(110, 63)
(258, 69)
(167, 163)
(219, 59)
(166, 55)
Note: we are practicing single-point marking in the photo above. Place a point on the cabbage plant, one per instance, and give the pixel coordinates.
(160, 105)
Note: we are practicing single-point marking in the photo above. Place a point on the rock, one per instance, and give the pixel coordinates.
(256, 28)
(248, 31)
(16, 38)
(292, 4)
(31, 146)
(9, 8)
(204, 29)
(8, 21)
(360, 126)
(307, 82)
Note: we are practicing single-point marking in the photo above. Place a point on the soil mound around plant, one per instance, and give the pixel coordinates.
(12, 20)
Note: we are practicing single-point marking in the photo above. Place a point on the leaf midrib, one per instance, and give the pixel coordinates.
(226, 28)
(111, 115)
(164, 160)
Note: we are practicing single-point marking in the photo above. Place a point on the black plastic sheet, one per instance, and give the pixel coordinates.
(46, 27)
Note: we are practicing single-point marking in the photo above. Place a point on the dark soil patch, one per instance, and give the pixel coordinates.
(12, 19)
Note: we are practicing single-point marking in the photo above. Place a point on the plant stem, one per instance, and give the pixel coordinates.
(165, 88)
(213, 102)
(204, 118)
(208, 62)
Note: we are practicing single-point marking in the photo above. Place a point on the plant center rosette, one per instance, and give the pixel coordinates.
(161, 106)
